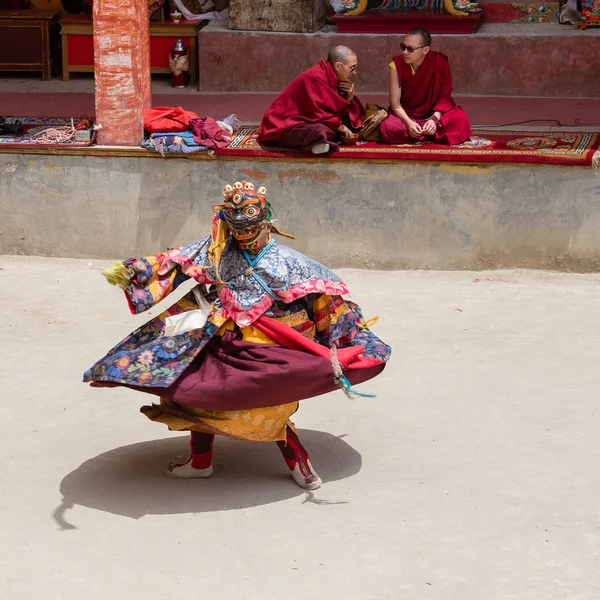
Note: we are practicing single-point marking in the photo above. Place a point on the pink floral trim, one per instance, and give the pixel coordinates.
(319, 286)
(239, 316)
(244, 318)
(188, 268)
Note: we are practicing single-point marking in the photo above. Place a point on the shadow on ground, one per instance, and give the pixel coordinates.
(131, 481)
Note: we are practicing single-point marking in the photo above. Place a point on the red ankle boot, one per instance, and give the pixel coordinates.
(199, 464)
(298, 461)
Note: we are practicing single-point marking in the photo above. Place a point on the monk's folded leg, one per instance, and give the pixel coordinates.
(394, 131)
(454, 127)
(307, 135)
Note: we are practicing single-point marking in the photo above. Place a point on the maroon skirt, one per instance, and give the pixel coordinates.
(230, 374)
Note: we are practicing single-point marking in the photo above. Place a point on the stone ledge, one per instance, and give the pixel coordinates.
(365, 215)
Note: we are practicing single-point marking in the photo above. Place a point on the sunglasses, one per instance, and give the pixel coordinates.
(410, 49)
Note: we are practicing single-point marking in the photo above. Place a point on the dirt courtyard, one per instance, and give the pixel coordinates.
(473, 475)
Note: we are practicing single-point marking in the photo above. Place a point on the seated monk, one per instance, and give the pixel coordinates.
(421, 103)
(316, 109)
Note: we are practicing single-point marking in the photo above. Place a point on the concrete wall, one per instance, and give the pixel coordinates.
(366, 215)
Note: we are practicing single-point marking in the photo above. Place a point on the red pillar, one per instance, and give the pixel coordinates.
(122, 69)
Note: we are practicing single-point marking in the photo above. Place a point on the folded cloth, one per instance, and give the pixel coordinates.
(159, 145)
(187, 136)
(167, 118)
(208, 133)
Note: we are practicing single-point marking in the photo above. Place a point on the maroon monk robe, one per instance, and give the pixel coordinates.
(309, 111)
(421, 94)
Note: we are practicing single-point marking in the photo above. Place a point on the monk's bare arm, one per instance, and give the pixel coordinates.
(395, 93)
(414, 129)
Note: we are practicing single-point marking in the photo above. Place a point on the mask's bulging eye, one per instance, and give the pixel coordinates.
(251, 211)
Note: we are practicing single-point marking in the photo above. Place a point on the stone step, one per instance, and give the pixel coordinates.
(538, 60)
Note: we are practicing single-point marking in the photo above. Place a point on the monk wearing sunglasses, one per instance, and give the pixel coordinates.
(421, 103)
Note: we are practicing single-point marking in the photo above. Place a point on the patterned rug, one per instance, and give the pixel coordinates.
(524, 147)
(33, 125)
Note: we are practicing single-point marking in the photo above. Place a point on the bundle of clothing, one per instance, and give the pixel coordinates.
(10, 128)
(569, 12)
(173, 142)
(173, 130)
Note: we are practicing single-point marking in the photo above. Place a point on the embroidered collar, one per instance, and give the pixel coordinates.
(253, 261)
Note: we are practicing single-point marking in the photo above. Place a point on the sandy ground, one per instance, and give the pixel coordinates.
(473, 475)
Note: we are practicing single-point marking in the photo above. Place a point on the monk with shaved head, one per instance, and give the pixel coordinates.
(318, 108)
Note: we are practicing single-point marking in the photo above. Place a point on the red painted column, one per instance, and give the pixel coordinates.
(122, 69)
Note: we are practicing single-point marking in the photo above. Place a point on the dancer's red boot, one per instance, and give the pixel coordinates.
(298, 461)
(199, 464)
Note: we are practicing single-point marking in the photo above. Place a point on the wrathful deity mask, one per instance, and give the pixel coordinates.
(247, 213)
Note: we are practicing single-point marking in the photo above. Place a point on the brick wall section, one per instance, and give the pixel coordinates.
(122, 68)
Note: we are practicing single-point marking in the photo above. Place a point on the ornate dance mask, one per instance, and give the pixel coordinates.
(247, 213)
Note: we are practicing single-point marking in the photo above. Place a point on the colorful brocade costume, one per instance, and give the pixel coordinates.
(257, 334)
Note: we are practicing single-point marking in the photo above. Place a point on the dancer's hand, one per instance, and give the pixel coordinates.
(117, 274)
